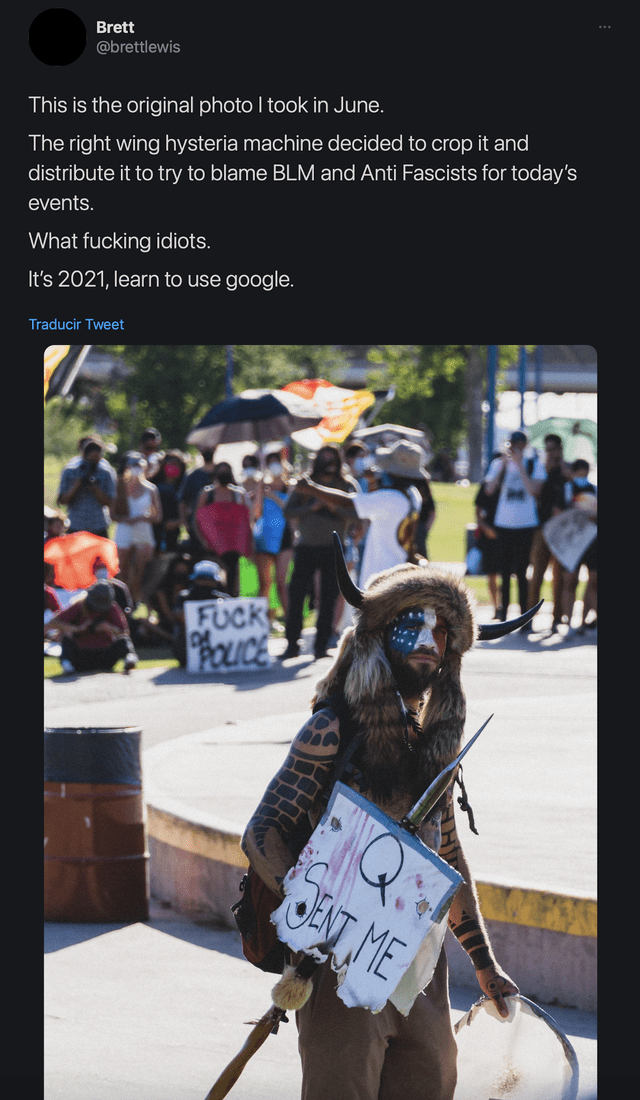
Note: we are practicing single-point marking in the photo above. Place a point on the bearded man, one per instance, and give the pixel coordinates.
(397, 677)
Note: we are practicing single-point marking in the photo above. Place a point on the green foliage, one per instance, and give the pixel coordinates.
(64, 425)
(170, 387)
(429, 381)
(429, 384)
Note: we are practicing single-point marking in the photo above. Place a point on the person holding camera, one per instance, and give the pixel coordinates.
(87, 490)
(516, 482)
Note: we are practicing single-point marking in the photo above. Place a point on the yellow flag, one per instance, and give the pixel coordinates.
(342, 408)
(53, 355)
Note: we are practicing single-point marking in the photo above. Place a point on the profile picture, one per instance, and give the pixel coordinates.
(57, 36)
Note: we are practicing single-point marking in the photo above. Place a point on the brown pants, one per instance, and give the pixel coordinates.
(352, 1054)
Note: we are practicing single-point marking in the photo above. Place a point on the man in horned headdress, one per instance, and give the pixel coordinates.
(397, 678)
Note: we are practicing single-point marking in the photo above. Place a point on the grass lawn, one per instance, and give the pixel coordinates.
(454, 510)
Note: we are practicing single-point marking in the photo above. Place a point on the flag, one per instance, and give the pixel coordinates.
(53, 355)
(342, 410)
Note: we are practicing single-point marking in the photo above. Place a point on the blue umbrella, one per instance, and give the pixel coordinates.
(255, 415)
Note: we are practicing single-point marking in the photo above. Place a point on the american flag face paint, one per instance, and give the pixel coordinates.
(417, 627)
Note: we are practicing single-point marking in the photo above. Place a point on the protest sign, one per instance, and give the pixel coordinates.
(568, 535)
(227, 635)
(369, 893)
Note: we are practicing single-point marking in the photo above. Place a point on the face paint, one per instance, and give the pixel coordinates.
(413, 629)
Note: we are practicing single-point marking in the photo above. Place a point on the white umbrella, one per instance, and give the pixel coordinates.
(388, 433)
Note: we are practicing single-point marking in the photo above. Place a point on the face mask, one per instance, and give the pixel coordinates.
(171, 470)
(581, 482)
(359, 466)
(275, 469)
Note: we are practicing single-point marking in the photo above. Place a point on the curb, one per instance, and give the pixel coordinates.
(546, 941)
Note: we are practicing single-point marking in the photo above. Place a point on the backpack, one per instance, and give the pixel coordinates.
(252, 912)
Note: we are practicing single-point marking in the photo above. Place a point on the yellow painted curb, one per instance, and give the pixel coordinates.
(511, 905)
(201, 840)
(538, 909)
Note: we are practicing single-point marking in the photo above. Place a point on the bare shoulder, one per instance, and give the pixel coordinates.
(320, 735)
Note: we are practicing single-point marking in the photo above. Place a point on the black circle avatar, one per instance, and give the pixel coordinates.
(57, 36)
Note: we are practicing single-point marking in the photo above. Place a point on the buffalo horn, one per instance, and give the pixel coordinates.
(488, 631)
(349, 590)
(354, 596)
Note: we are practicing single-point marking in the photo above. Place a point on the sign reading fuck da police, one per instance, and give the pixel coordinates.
(227, 635)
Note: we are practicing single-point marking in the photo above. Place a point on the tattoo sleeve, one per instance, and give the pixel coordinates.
(280, 826)
(465, 920)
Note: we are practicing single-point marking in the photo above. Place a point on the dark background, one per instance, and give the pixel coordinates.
(361, 256)
(369, 262)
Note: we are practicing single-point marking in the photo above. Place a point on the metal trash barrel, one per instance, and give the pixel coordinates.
(96, 863)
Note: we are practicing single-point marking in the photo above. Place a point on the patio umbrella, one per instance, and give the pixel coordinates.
(73, 557)
(255, 415)
(579, 437)
(381, 435)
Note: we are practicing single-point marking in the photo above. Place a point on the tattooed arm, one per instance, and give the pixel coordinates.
(465, 920)
(280, 826)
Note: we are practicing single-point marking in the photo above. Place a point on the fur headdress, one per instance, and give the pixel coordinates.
(363, 674)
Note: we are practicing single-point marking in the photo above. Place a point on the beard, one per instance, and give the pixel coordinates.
(411, 681)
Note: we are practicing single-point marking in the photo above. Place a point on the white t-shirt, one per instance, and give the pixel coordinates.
(516, 507)
(385, 509)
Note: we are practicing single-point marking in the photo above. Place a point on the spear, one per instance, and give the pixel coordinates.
(416, 815)
(294, 988)
(288, 995)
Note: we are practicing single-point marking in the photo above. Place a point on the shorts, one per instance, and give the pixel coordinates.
(134, 534)
(490, 555)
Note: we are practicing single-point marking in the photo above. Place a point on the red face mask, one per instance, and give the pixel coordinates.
(171, 470)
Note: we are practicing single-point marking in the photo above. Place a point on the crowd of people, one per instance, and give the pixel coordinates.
(182, 529)
(514, 504)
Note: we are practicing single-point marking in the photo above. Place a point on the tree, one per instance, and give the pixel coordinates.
(429, 389)
(443, 387)
(171, 386)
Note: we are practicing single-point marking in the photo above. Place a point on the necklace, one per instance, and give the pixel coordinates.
(410, 717)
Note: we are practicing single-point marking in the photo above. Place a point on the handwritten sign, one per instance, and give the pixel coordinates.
(568, 535)
(369, 894)
(227, 635)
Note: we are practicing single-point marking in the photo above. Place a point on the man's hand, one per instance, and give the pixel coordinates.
(495, 984)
